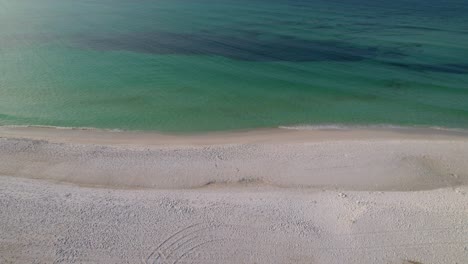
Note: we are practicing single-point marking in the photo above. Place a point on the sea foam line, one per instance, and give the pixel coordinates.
(381, 126)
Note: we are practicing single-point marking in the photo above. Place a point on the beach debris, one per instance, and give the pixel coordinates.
(411, 262)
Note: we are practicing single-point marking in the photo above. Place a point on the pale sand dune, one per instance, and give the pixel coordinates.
(352, 196)
(43, 222)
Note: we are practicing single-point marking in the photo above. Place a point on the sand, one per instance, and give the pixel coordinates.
(270, 196)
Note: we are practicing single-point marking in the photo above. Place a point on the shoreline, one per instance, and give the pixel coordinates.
(293, 134)
(397, 159)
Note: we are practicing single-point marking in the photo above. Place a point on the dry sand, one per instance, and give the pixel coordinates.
(268, 196)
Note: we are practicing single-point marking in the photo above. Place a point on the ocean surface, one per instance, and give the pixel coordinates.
(205, 65)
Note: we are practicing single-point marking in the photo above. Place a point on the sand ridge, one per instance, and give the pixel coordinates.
(347, 159)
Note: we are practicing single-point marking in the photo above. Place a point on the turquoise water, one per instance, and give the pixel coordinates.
(189, 65)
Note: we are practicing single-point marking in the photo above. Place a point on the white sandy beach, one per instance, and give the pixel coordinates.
(267, 196)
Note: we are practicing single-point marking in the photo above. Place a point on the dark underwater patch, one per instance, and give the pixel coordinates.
(422, 29)
(247, 47)
(455, 68)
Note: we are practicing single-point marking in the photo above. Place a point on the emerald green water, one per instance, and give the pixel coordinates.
(188, 65)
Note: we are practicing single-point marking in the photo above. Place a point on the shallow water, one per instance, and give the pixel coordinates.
(186, 66)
